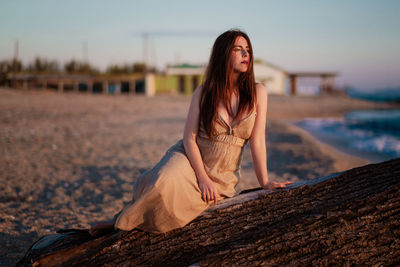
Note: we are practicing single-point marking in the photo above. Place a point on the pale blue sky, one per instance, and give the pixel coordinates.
(358, 38)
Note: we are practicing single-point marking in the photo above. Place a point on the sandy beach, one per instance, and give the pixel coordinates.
(68, 160)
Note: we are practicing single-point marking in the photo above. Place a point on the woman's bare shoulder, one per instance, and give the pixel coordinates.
(260, 86)
(197, 91)
(261, 92)
(197, 94)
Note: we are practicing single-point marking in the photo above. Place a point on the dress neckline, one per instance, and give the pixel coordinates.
(238, 122)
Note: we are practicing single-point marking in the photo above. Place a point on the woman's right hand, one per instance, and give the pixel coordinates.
(208, 190)
(276, 185)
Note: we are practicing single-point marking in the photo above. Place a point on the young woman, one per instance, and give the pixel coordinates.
(225, 113)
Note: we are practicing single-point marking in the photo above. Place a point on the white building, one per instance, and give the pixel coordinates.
(271, 76)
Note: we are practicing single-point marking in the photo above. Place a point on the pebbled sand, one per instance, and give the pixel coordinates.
(68, 160)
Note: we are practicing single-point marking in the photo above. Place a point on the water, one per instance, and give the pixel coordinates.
(370, 134)
(377, 95)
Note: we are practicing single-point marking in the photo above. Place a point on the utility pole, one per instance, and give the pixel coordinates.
(85, 52)
(177, 58)
(145, 50)
(153, 53)
(15, 63)
(150, 49)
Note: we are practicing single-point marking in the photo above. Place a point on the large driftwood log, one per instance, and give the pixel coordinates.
(350, 218)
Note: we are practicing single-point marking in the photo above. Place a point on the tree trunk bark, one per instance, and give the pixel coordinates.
(351, 218)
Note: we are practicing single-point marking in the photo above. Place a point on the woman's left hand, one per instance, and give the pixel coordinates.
(276, 185)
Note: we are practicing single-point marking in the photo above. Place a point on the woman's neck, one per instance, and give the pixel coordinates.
(234, 78)
(234, 88)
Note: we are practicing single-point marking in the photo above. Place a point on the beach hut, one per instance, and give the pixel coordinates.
(182, 78)
(273, 77)
(313, 83)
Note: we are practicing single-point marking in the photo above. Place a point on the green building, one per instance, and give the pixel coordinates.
(182, 79)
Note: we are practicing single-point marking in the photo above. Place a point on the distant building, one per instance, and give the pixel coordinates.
(313, 83)
(107, 84)
(184, 78)
(273, 77)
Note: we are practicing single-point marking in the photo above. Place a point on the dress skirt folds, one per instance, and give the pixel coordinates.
(168, 196)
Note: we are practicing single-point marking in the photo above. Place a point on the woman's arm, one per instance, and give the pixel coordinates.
(257, 141)
(207, 187)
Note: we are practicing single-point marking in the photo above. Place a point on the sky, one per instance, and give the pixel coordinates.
(359, 39)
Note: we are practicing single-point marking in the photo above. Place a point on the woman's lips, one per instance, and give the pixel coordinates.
(245, 62)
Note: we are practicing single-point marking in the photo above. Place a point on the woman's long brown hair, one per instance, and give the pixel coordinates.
(218, 86)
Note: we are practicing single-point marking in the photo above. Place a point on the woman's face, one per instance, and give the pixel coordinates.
(240, 56)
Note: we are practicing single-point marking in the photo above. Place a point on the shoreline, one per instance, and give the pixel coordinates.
(369, 138)
(343, 160)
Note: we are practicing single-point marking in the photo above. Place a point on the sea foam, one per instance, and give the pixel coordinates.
(371, 134)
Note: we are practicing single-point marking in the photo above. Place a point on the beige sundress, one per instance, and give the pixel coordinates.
(168, 196)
